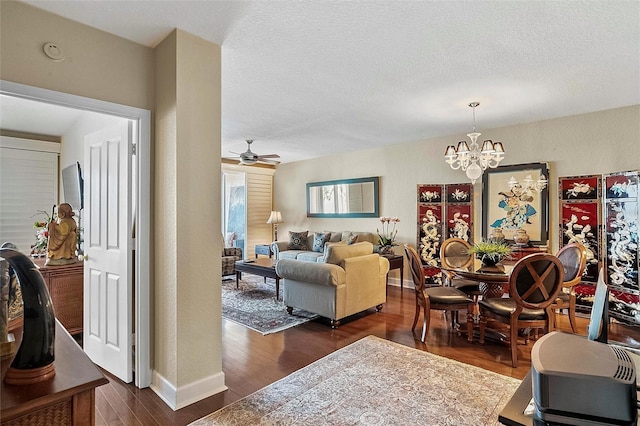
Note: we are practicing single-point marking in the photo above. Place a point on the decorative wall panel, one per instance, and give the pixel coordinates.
(580, 219)
(621, 203)
(444, 211)
(601, 212)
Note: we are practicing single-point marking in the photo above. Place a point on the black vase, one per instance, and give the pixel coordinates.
(38, 335)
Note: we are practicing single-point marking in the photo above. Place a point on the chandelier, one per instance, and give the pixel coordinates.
(472, 159)
(528, 185)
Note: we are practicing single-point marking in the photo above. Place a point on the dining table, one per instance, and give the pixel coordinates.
(493, 280)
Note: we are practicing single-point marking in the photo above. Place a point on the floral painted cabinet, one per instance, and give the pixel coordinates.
(601, 213)
(621, 211)
(444, 211)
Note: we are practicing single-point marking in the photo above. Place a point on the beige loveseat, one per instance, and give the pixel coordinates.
(282, 250)
(352, 279)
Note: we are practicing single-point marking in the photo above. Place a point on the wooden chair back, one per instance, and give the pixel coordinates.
(454, 253)
(415, 266)
(536, 280)
(574, 260)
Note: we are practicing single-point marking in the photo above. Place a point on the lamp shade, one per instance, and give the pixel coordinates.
(275, 217)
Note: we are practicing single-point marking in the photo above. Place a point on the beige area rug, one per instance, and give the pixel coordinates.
(375, 382)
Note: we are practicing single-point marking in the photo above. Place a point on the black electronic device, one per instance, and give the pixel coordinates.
(73, 186)
(576, 381)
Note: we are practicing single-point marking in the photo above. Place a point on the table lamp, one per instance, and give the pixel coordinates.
(275, 218)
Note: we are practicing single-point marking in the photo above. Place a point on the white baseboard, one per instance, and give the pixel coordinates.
(396, 283)
(188, 394)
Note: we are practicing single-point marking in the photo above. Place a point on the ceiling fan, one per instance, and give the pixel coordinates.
(249, 158)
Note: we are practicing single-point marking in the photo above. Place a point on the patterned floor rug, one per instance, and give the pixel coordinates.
(254, 305)
(375, 382)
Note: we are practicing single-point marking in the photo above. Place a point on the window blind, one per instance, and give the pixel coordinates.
(28, 184)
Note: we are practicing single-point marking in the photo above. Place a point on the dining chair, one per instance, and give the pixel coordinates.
(454, 253)
(438, 297)
(534, 284)
(574, 259)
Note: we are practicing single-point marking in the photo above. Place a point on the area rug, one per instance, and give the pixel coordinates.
(254, 305)
(375, 382)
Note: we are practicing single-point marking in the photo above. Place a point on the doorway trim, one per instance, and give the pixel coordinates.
(142, 318)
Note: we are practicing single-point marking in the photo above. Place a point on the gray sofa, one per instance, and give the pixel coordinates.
(351, 280)
(281, 249)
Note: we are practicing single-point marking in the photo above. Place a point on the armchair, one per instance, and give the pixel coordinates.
(534, 284)
(574, 259)
(439, 298)
(229, 257)
(351, 280)
(454, 253)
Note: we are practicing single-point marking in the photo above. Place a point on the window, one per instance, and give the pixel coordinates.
(234, 209)
(28, 184)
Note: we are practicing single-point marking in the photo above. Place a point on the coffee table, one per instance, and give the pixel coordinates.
(263, 267)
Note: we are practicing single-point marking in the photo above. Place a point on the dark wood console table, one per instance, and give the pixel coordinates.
(65, 285)
(68, 398)
(396, 261)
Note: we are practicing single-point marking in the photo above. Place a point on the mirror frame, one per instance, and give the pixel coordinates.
(375, 180)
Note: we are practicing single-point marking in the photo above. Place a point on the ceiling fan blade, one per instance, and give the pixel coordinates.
(269, 156)
(271, 162)
(236, 153)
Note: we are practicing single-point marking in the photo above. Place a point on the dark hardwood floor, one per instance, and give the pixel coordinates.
(251, 361)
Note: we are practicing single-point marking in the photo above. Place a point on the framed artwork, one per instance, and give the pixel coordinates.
(513, 208)
(459, 221)
(621, 217)
(444, 211)
(579, 188)
(580, 223)
(459, 193)
(622, 185)
(430, 193)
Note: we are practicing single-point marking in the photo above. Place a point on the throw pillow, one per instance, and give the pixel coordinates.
(319, 240)
(352, 239)
(298, 240)
(228, 239)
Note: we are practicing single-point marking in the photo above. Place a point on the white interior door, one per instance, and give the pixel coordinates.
(108, 282)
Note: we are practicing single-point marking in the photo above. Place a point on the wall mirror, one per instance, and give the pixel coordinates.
(343, 198)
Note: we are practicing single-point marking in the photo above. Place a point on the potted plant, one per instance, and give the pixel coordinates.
(490, 252)
(387, 238)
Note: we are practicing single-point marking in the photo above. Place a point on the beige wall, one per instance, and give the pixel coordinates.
(599, 142)
(187, 184)
(98, 65)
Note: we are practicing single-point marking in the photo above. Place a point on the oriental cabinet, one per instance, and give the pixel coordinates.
(444, 211)
(601, 212)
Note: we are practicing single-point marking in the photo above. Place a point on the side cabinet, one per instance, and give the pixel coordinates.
(65, 285)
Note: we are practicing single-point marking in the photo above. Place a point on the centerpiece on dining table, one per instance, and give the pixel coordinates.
(490, 252)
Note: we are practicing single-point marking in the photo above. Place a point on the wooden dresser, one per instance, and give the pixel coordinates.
(518, 252)
(65, 285)
(66, 399)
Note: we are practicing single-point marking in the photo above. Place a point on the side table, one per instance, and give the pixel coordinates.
(396, 261)
(264, 249)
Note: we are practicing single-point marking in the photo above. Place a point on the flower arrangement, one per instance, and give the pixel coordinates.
(490, 252)
(42, 233)
(387, 237)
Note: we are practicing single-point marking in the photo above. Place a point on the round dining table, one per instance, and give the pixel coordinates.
(493, 280)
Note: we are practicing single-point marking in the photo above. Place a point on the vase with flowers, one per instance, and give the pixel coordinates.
(387, 237)
(39, 249)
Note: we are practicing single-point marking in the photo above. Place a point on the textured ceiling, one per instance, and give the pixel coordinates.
(315, 77)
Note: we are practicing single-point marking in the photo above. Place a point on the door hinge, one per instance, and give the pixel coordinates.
(134, 149)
